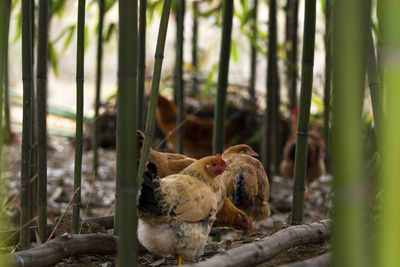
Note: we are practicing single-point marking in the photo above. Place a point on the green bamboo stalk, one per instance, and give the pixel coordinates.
(179, 84)
(4, 29)
(253, 53)
(222, 84)
(7, 132)
(27, 82)
(195, 27)
(98, 87)
(270, 125)
(33, 171)
(374, 85)
(41, 85)
(328, 80)
(292, 21)
(80, 60)
(126, 187)
(388, 233)
(142, 64)
(349, 32)
(304, 112)
(155, 85)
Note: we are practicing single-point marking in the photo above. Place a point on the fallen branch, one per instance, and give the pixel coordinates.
(258, 252)
(319, 261)
(11, 238)
(61, 247)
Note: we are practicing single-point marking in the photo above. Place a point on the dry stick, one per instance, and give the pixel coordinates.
(87, 205)
(62, 216)
(267, 248)
(318, 261)
(53, 251)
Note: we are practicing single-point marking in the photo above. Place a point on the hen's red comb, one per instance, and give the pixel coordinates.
(220, 158)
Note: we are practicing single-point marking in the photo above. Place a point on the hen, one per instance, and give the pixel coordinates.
(315, 153)
(176, 213)
(197, 141)
(172, 163)
(246, 181)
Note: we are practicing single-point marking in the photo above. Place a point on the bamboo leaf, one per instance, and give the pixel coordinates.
(234, 52)
(53, 57)
(109, 32)
(19, 27)
(87, 37)
(109, 5)
(68, 39)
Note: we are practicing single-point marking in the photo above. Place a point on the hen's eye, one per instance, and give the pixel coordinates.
(214, 164)
(244, 220)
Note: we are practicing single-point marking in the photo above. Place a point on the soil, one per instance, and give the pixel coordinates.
(98, 200)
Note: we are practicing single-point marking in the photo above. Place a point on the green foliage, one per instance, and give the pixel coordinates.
(111, 30)
(53, 58)
(57, 7)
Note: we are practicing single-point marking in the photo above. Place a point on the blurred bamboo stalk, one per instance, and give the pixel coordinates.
(41, 85)
(80, 60)
(141, 65)
(291, 50)
(195, 10)
(27, 82)
(98, 87)
(328, 81)
(253, 53)
(155, 85)
(349, 38)
(388, 231)
(304, 112)
(126, 182)
(374, 85)
(223, 71)
(7, 132)
(179, 83)
(270, 124)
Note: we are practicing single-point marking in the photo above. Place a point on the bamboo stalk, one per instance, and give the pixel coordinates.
(270, 125)
(80, 60)
(126, 187)
(98, 87)
(179, 84)
(349, 33)
(41, 85)
(328, 80)
(304, 112)
(195, 27)
(292, 21)
(27, 82)
(7, 133)
(388, 233)
(141, 65)
(253, 53)
(155, 85)
(33, 167)
(374, 85)
(222, 84)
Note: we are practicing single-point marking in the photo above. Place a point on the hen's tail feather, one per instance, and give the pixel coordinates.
(239, 195)
(147, 198)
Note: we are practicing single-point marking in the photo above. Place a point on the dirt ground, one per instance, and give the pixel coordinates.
(98, 200)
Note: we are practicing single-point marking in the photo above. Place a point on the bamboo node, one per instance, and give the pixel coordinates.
(127, 73)
(299, 188)
(302, 133)
(41, 76)
(308, 63)
(160, 56)
(27, 78)
(80, 79)
(149, 134)
(125, 190)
